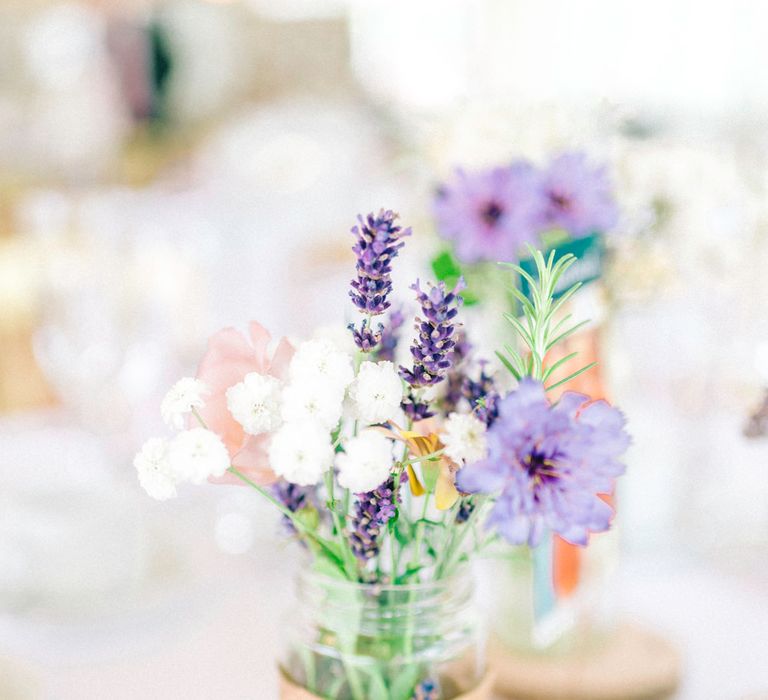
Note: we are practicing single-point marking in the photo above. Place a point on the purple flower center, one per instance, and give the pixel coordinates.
(491, 213)
(540, 469)
(560, 201)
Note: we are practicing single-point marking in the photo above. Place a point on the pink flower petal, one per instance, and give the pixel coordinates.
(228, 359)
(260, 338)
(281, 359)
(252, 461)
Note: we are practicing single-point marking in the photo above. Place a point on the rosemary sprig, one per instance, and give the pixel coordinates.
(537, 327)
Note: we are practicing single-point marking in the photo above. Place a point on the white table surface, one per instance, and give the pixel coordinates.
(222, 642)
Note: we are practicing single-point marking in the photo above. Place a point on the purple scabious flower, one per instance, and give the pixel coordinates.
(549, 463)
(578, 196)
(390, 335)
(378, 242)
(373, 511)
(490, 214)
(432, 350)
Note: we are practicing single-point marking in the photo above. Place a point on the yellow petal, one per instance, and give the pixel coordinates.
(416, 488)
(421, 445)
(445, 490)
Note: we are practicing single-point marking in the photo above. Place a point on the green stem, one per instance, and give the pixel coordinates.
(392, 539)
(297, 523)
(424, 458)
(408, 646)
(444, 568)
(199, 418)
(450, 531)
(355, 684)
(350, 563)
(420, 531)
(393, 543)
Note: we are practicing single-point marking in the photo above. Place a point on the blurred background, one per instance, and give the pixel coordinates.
(169, 167)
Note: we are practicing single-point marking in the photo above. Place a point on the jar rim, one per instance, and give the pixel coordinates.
(317, 577)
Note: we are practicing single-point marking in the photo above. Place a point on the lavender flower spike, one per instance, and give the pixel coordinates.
(293, 497)
(372, 513)
(432, 351)
(390, 335)
(378, 242)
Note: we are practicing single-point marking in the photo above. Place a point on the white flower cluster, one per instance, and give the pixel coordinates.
(464, 438)
(376, 393)
(299, 416)
(366, 461)
(301, 453)
(183, 396)
(255, 403)
(192, 456)
(374, 397)
(311, 407)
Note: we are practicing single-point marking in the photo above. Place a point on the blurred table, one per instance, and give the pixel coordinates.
(226, 649)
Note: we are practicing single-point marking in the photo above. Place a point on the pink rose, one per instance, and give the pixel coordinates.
(228, 359)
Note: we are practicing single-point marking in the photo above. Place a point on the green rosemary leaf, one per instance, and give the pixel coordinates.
(514, 354)
(520, 329)
(508, 365)
(524, 300)
(565, 334)
(564, 297)
(571, 376)
(551, 257)
(561, 322)
(538, 363)
(531, 282)
(560, 267)
(557, 364)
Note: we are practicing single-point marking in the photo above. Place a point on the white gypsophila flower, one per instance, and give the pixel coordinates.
(376, 393)
(301, 453)
(196, 454)
(154, 470)
(255, 403)
(181, 398)
(338, 335)
(366, 461)
(312, 401)
(319, 360)
(464, 438)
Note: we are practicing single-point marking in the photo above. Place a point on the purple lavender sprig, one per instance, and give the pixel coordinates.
(373, 511)
(482, 395)
(390, 335)
(293, 497)
(432, 351)
(378, 242)
(416, 409)
(456, 377)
